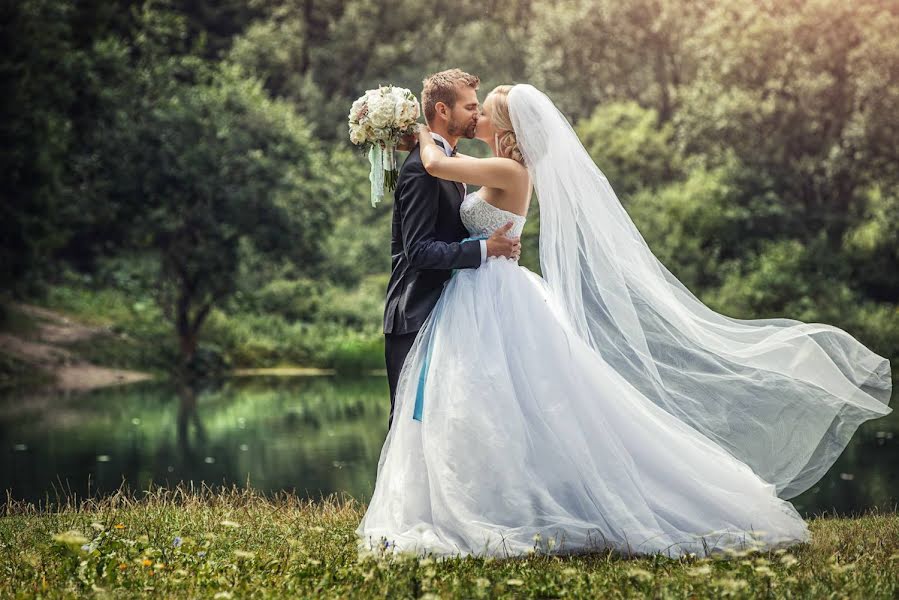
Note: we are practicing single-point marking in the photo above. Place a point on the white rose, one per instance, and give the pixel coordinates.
(400, 112)
(381, 115)
(398, 95)
(358, 107)
(356, 135)
(408, 113)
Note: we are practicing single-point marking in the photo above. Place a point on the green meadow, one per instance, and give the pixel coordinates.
(237, 543)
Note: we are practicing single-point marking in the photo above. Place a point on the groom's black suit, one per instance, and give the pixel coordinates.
(426, 245)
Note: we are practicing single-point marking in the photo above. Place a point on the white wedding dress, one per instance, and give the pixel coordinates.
(525, 430)
(604, 405)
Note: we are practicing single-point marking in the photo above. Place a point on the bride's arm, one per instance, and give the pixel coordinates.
(490, 172)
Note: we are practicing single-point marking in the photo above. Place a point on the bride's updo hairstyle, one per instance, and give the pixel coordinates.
(527, 109)
(507, 142)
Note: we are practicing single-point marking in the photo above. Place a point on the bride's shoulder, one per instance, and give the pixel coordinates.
(504, 163)
(514, 169)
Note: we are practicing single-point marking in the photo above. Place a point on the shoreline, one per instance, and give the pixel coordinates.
(40, 345)
(42, 349)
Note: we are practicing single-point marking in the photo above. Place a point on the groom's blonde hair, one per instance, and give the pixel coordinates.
(441, 87)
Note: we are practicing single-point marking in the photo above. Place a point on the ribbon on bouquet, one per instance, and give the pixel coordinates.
(383, 173)
(376, 176)
(423, 374)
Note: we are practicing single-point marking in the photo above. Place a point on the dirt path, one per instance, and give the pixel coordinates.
(40, 349)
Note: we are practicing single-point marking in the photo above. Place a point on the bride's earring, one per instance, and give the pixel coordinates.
(496, 143)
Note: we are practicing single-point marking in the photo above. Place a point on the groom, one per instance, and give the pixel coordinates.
(426, 243)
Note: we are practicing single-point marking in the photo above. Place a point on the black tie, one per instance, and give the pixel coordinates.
(453, 153)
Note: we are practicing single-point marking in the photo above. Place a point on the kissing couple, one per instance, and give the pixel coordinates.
(598, 406)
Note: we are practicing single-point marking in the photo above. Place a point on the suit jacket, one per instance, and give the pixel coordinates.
(426, 244)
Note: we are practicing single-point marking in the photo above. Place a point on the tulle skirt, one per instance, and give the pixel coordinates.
(527, 439)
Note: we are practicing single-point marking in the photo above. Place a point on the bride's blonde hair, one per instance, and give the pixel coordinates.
(506, 142)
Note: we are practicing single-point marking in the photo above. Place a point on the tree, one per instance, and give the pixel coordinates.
(872, 245)
(218, 163)
(195, 171)
(37, 70)
(630, 148)
(805, 93)
(586, 52)
(183, 158)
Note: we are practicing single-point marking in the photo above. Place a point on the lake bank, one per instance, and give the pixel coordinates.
(237, 543)
(127, 331)
(44, 349)
(39, 341)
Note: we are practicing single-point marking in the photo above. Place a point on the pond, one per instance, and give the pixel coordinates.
(311, 435)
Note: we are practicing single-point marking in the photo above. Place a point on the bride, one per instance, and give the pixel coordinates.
(604, 406)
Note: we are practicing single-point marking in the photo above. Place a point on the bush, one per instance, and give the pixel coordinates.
(295, 300)
(630, 148)
(358, 354)
(358, 307)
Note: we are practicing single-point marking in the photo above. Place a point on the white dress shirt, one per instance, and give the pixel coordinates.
(449, 152)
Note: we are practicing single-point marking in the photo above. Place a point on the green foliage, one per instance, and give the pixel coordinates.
(631, 149)
(872, 245)
(695, 225)
(787, 277)
(275, 51)
(237, 165)
(210, 138)
(359, 235)
(340, 328)
(204, 167)
(357, 307)
(38, 72)
(213, 24)
(140, 337)
(806, 282)
(804, 95)
(267, 340)
(358, 354)
(293, 299)
(590, 52)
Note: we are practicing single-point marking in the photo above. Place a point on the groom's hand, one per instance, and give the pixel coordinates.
(500, 245)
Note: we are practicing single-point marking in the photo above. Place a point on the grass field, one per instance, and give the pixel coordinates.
(237, 543)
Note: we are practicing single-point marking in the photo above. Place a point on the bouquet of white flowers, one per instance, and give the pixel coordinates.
(380, 118)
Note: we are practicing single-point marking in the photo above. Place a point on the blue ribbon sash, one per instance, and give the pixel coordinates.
(423, 374)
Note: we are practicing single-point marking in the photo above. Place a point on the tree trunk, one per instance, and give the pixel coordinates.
(187, 333)
(188, 347)
(189, 328)
(666, 110)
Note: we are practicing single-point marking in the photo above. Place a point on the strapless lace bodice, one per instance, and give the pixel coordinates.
(482, 218)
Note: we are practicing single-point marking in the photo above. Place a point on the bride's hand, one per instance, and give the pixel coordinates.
(408, 142)
(424, 132)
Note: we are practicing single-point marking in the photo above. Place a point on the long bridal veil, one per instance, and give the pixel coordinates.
(781, 395)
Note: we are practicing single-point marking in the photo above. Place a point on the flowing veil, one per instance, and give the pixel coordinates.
(781, 395)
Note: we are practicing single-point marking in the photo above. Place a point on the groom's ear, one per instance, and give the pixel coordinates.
(441, 110)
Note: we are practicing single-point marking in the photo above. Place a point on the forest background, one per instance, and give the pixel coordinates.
(181, 171)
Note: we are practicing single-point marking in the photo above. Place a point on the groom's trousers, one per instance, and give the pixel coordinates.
(396, 347)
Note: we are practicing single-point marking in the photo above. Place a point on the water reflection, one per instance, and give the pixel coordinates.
(187, 415)
(313, 435)
(316, 435)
